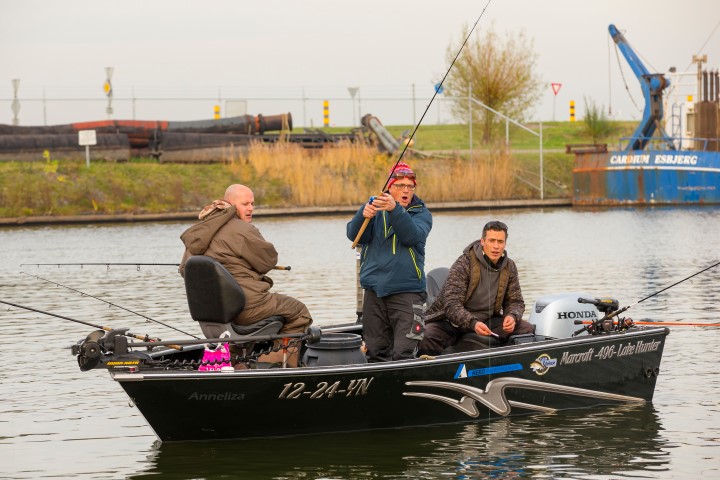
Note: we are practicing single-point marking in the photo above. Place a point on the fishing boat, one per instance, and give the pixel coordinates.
(653, 167)
(185, 394)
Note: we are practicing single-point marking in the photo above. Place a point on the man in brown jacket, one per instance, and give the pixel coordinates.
(227, 235)
(481, 295)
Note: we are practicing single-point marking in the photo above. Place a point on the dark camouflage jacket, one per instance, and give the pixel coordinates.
(463, 278)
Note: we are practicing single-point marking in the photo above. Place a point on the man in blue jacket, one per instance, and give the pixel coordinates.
(392, 270)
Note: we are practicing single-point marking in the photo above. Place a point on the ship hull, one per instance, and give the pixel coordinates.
(650, 177)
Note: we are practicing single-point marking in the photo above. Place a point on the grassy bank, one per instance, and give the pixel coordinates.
(285, 175)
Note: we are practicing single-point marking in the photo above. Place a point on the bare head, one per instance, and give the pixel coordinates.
(243, 199)
(494, 237)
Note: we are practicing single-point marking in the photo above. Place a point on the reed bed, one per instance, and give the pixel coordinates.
(281, 175)
(348, 174)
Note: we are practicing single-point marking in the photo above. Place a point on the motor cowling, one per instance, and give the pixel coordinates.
(555, 315)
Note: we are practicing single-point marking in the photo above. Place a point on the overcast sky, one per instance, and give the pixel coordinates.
(273, 53)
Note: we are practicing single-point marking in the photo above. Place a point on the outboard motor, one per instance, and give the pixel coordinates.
(555, 315)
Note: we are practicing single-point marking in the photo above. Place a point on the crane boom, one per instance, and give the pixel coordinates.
(652, 85)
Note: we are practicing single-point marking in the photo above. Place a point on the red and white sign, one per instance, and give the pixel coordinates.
(556, 87)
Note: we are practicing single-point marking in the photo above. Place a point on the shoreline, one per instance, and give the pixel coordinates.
(275, 212)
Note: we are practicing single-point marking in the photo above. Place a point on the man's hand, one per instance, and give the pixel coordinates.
(369, 211)
(384, 202)
(482, 329)
(509, 324)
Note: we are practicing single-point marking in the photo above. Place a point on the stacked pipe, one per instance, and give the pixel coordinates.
(119, 139)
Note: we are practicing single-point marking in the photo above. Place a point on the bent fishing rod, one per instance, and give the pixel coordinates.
(438, 88)
(133, 264)
(110, 303)
(144, 338)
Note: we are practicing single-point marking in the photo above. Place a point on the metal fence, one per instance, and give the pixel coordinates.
(393, 106)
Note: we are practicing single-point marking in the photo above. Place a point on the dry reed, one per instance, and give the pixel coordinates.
(288, 174)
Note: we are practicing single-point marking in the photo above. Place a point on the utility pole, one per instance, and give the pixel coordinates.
(353, 91)
(108, 90)
(15, 103)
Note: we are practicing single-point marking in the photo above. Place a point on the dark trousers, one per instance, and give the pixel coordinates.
(442, 334)
(386, 322)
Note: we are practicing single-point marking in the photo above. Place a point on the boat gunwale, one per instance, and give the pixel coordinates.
(503, 351)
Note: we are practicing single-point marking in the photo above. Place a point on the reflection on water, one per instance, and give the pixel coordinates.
(56, 421)
(567, 445)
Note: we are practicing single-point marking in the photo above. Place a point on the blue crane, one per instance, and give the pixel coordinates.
(652, 85)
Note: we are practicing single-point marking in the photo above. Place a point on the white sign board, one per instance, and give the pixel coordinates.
(87, 137)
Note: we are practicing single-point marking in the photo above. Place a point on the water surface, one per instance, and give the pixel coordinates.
(56, 421)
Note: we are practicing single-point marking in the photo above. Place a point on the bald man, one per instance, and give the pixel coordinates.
(238, 245)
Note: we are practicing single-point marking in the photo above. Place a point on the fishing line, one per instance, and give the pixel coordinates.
(437, 89)
(111, 304)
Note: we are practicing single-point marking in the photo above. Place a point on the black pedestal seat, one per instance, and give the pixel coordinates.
(215, 299)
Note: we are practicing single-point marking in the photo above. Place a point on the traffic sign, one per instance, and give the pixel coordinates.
(556, 87)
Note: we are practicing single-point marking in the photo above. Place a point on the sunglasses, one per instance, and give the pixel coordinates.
(401, 175)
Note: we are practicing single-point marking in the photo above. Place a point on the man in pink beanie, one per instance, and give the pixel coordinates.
(392, 270)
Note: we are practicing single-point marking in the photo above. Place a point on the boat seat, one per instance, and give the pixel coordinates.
(435, 279)
(215, 299)
(472, 341)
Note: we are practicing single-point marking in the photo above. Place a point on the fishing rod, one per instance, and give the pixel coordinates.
(110, 303)
(144, 338)
(108, 264)
(663, 324)
(438, 88)
(617, 312)
(599, 302)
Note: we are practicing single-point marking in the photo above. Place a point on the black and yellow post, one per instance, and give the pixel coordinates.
(216, 111)
(326, 113)
(572, 110)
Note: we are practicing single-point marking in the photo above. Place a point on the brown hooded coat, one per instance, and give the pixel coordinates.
(242, 250)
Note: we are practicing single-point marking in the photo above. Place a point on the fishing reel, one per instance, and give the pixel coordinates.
(610, 308)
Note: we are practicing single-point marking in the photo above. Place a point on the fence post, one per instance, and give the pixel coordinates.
(542, 179)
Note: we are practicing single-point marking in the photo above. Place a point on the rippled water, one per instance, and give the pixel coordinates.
(56, 421)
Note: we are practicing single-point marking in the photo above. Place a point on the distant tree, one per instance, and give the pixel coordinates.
(597, 124)
(499, 72)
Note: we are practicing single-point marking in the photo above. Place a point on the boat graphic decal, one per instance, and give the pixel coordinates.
(493, 396)
(543, 364)
(463, 372)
